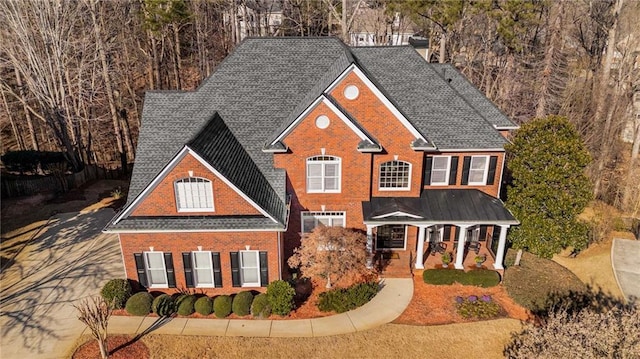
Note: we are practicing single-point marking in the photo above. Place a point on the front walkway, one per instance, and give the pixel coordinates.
(625, 260)
(387, 305)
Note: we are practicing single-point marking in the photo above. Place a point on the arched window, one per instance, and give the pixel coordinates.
(194, 194)
(395, 175)
(323, 174)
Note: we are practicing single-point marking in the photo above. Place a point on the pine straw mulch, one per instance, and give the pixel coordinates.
(435, 304)
(119, 346)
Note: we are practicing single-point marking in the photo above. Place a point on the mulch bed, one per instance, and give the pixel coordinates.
(120, 347)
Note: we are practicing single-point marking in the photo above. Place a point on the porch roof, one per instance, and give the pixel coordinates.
(439, 206)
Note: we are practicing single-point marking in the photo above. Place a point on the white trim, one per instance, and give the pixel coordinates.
(385, 101)
(322, 99)
(404, 248)
(147, 269)
(187, 210)
(121, 255)
(326, 214)
(241, 267)
(194, 273)
(504, 128)
(397, 214)
(471, 150)
(408, 188)
(336, 160)
(195, 230)
(432, 222)
(447, 172)
(484, 175)
(499, 178)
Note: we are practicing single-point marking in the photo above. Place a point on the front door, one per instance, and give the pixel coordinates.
(390, 236)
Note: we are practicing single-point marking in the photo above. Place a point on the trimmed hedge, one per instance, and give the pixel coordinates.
(480, 277)
(203, 306)
(242, 303)
(139, 304)
(116, 292)
(222, 306)
(163, 305)
(260, 308)
(342, 300)
(185, 304)
(280, 294)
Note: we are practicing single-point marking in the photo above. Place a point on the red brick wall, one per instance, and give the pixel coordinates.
(162, 200)
(489, 189)
(224, 243)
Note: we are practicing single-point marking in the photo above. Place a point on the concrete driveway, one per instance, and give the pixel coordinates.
(625, 259)
(67, 260)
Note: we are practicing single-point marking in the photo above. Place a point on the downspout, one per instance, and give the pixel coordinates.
(279, 256)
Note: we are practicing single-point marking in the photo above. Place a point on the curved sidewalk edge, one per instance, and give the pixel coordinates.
(625, 262)
(387, 305)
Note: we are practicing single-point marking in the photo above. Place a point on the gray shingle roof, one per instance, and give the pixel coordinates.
(202, 223)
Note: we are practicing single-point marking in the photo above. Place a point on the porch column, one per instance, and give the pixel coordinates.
(370, 246)
(502, 242)
(420, 250)
(462, 234)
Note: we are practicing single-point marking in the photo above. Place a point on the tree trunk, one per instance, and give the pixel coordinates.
(177, 67)
(14, 128)
(550, 66)
(27, 113)
(443, 49)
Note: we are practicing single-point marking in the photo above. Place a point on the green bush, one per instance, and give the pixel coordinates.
(139, 304)
(260, 308)
(204, 305)
(480, 277)
(242, 303)
(163, 305)
(116, 292)
(482, 307)
(185, 304)
(222, 306)
(280, 295)
(342, 300)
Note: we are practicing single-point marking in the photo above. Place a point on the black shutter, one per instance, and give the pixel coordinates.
(455, 233)
(446, 236)
(493, 161)
(428, 163)
(235, 269)
(188, 270)
(465, 169)
(217, 274)
(264, 269)
(483, 233)
(495, 238)
(453, 172)
(142, 273)
(171, 275)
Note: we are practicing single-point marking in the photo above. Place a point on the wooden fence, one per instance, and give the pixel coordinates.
(27, 186)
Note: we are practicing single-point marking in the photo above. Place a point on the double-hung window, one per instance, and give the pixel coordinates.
(194, 194)
(156, 270)
(323, 174)
(440, 170)
(250, 268)
(311, 220)
(202, 269)
(395, 175)
(478, 170)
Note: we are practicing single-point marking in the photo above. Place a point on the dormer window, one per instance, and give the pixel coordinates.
(323, 174)
(395, 175)
(194, 194)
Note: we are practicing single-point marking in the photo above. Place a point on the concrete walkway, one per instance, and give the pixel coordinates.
(387, 305)
(625, 259)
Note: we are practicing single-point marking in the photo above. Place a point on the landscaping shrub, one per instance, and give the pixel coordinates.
(482, 307)
(342, 300)
(222, 306)
(280, 295)
(139, 304)
(242, 303)
(480, 277)
(116, 292)
(163, 305)
(204, 305)
(185, 304)
(260, 308)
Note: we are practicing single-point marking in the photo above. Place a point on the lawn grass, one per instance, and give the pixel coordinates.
(480, 277)
(536, 279)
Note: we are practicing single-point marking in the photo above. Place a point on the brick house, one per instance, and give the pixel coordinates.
(289, 133)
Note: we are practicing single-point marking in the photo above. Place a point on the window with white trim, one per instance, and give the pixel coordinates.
(323, 174)
(395, 175)
(156, 269)
(250, 268)
(478, 170)
(202, 269)
(311, 220)
(440, 170)
(194, 194)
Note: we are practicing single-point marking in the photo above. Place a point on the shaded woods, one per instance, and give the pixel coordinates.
(73, 73)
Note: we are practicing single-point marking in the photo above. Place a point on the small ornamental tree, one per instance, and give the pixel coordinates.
(95, 313)
(331, 253)
(547, 160)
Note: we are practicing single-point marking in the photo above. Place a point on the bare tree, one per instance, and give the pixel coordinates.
(95, 313)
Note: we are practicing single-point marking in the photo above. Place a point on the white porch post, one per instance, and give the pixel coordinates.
(420, 250)
(370, 246)
(502, 242)
(462, 234)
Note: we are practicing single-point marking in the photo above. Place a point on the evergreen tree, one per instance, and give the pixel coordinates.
(547, 160)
